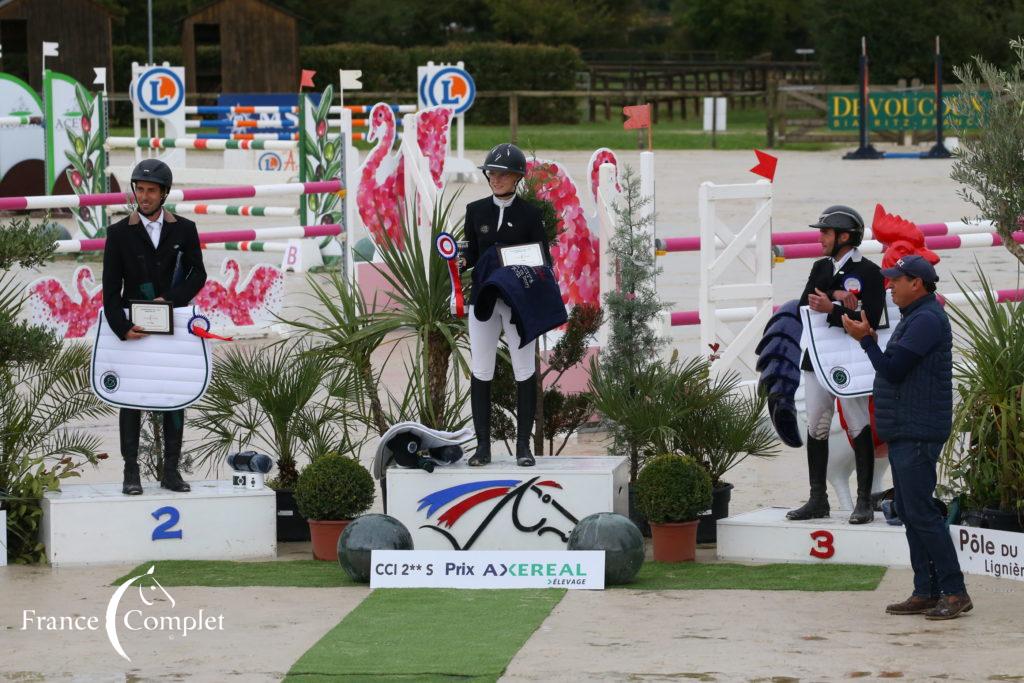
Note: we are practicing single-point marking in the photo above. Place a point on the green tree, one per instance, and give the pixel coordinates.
(740, 29)
(990, 162)
(583, 23)
(44, 386)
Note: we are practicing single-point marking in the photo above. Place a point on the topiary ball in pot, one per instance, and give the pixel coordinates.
(330, 491)
(672, 491)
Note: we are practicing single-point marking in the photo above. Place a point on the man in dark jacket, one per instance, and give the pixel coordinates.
(839, 285)
(151, 255)
(913, 412)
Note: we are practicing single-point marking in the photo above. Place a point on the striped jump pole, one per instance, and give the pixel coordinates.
(290, 232)
(249, 246)
(71, 201)
(16, 121)
(735, 315)
(240, 109)
(937, 243)
(238, 123)
(231, 210)
(673, 245)
(247, 136)
(197, 143)
(366, 108)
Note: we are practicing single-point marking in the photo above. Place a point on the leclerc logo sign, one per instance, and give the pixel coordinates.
(159, 92)
(448, 86)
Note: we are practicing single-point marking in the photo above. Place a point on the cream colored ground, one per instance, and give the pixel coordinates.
(615, 635)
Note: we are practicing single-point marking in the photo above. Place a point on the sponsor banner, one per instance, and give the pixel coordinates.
(903, 111)
(572, 569)
(988, 552)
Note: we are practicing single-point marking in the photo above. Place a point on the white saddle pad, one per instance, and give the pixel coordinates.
(429, 438)
(840, 365)
(159, 372)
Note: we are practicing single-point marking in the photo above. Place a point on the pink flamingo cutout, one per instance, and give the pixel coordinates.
(70, 316)
(381, 187)
(259, 297)
(576, 252)
(381, 193)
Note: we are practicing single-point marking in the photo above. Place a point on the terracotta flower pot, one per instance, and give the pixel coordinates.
(324, 534)
(675, 541)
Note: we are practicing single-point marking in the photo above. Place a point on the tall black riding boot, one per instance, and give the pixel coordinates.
(129, 425)
(480, 403)
(817, 468)
(864, 456)
(526, 411)
(174, 425)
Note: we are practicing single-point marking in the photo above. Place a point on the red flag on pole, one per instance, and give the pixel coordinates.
(637, 116)
(766, 164)
(306, 80)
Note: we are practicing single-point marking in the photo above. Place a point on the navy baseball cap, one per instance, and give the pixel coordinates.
(912, 266)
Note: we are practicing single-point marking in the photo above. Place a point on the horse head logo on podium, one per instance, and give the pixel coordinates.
(505, 492)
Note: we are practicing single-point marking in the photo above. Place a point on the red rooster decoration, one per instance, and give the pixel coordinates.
(900, 238)
(50, 304)
(257, 300)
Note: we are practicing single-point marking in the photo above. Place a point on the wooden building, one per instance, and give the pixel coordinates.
(81, 27)
(259, 48)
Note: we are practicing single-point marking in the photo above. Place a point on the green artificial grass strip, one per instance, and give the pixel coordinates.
(772, 577)
(225, 574)
(428, 634)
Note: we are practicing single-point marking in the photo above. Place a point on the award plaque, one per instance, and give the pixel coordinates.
(154, 317)
(529, 254)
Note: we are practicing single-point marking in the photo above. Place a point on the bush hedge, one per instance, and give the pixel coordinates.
(494, 66)
(334, 487)
(673, 488)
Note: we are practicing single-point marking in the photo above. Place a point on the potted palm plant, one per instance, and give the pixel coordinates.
(671, 491)
(680, 407)
(331, 491)
(289, 400)
(984, 461)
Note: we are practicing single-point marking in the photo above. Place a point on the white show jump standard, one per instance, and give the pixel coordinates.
(70, 201)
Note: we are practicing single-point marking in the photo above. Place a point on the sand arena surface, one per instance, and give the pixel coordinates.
(720, 635)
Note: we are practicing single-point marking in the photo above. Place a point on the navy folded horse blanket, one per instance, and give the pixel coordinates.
(532, 292)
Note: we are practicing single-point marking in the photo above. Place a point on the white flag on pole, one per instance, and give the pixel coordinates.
(50, 49)
(101, 75)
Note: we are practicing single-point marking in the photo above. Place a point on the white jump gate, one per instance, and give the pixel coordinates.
(726, 251)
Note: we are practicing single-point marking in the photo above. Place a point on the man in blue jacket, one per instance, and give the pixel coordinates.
(913, 393)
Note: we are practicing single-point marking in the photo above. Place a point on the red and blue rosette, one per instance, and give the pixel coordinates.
(448, 249)
(196, 326)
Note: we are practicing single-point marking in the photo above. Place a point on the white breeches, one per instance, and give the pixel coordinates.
(483, 344)
(821, 407)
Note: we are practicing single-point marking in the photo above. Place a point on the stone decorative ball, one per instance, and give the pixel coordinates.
(618, 537)
(362, 536)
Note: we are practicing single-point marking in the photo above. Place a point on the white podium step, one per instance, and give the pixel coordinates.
(97, 524)
(767, 536)
(503, 506)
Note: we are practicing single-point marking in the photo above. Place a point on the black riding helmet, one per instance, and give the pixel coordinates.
(505, 157)
(153, 171)
(842, 219)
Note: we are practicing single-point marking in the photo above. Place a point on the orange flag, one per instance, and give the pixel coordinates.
(637, 116)
(306, 80)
